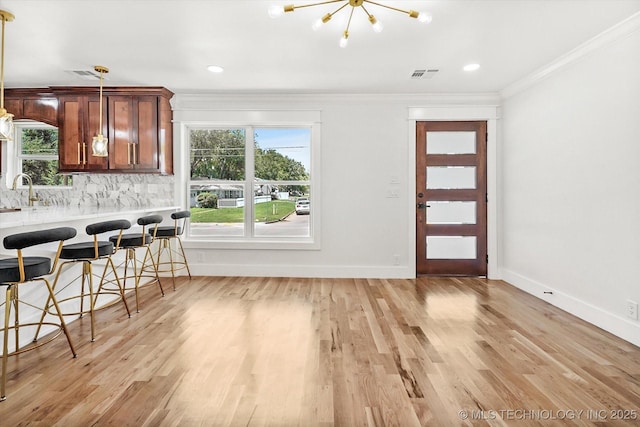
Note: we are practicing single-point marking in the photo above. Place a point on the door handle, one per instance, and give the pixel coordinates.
(423, 205)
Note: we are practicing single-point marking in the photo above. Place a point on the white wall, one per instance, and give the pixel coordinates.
(367, 141)
(570, 173)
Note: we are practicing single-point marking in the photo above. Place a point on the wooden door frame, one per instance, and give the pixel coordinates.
(446, 112)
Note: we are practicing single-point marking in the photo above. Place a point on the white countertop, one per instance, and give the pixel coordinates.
(64, 214)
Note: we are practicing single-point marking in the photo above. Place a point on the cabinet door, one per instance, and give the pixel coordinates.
(146, 133)
(72, 149)
(78, 116)
(133, 133)
(121, 153)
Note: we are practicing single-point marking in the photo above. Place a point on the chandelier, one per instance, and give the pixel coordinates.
(276, 11)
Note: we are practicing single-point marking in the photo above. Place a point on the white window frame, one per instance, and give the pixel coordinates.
(249, 121)
(15, 156)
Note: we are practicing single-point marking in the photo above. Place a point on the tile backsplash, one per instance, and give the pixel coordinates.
(102, 190)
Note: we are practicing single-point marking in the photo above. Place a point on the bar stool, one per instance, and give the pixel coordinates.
(165, 235)
(15, 272)
(87, 253)
(131, 242)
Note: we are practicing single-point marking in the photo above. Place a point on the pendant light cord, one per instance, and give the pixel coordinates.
(100, 130)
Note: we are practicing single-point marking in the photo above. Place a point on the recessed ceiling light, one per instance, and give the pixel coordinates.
(471, 67)
(215, 68)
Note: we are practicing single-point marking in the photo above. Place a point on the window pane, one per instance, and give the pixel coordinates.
(44, 172)
(283, 154)
(38, 154)
(39, 142)
(217, 154)
(283, 215)
(217, 209)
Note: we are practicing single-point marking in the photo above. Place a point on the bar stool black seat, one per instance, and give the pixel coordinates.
(21, 270)
(165, 235)
(87, 253)
(133, 241)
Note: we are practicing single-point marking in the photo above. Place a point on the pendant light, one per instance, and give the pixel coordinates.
(100, 144)
(6, 119)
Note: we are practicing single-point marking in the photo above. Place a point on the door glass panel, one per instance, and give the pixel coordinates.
(451, 177)
(451, 247)
(451, 142)
(451, 212)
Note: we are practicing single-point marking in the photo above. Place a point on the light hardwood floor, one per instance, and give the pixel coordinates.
(322, 352)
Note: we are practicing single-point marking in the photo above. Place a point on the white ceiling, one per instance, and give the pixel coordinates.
(170, 43)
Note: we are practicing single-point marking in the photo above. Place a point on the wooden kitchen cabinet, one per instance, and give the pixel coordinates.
(136, 120)
(33, 104)
(140, 130)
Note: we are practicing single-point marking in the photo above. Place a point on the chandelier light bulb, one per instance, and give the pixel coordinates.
(424, 17)
(377, 25)
(318, 24)
(344, 40)
(276, 11)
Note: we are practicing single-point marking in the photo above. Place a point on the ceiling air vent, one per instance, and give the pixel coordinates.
(85, 74)
(424, 74)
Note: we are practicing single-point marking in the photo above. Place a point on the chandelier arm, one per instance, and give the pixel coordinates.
(317, 4)
(339, 9)
(387, 7)
(346, 31)
(366, 11)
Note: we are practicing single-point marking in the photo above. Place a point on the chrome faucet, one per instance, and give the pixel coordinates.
(32, 198)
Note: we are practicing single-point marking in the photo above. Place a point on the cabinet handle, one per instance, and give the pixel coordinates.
(82, 153)
(131, 154)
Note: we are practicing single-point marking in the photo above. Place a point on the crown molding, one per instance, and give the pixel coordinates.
(619, 31)
(209, 101)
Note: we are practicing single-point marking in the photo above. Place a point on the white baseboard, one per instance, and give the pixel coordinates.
(265, 270)
(626, 329)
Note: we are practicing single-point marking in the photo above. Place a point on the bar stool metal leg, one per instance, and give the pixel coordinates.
(86, 253)
(134, 269)
(165, 235)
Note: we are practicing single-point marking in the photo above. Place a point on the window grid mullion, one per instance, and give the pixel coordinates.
(249, 205)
